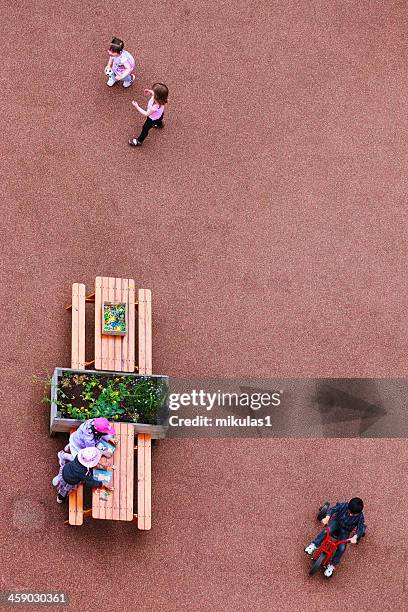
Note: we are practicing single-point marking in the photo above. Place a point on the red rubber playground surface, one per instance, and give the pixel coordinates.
(269, 218)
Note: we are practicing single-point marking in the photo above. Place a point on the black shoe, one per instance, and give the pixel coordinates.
(60, 499)
(135, 143)
(159, 125)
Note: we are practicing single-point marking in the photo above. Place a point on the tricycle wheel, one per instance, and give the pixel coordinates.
(317, 564)
(323, 511)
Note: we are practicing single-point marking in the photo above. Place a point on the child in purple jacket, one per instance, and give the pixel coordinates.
(88, 434)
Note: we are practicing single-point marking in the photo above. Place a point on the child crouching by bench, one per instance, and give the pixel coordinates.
(79, 470)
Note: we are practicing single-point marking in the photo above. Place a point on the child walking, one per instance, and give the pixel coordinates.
(120, 65)
(154, 113)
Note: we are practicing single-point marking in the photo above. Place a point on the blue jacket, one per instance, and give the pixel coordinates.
(74, 472)
(346, 520)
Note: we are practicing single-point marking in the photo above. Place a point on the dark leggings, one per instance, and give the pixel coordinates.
(148, 124)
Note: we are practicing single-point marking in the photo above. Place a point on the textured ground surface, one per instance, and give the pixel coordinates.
(269, 218)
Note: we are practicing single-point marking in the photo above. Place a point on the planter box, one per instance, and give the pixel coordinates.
(59, 423)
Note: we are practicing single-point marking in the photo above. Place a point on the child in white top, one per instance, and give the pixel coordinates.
(154, 112)
(120, 65)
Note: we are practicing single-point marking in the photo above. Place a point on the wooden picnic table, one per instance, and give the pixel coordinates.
(118, 505)
(113, 353)
(116, 353)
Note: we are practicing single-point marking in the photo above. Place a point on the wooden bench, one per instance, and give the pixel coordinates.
(76, 504)
(145, 331)
(77, 307)
(78, 327)
(144, 481)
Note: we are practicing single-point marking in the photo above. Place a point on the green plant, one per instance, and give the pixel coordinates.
(84, 396)
(46, 382)
(145, 401)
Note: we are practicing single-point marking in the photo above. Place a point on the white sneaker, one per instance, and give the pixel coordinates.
(329, 570)
(128, 83)
(55, 481)
(310, 549)
(111, 81)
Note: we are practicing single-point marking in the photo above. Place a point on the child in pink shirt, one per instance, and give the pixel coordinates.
(154, 113)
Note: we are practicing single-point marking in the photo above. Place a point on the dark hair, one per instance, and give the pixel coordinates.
(96, 433)
(355, 505)
(116, 45)
(161, 93)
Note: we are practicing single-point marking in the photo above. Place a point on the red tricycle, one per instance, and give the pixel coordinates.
(322, 556)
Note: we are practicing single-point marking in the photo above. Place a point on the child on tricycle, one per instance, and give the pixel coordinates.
(339, 521)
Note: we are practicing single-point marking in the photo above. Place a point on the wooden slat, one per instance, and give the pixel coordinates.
(107, 339)
(78, 327)
(116, 477)
(95, 504)
(72, 502)
(76, 503)
(124, 367)
(117, 340)
(104, 343)
(145, 331)
(102, 506)
(148, 481)
(81, 327)
(124, 339)
(98, 506)
(109, 501)
(80, 504)
(148, 332)
(140, 481)
(130, 437)
(74, 327)
(123, 467)
(131, 327)
(98, 323)
(144, 495)
(141, 331)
